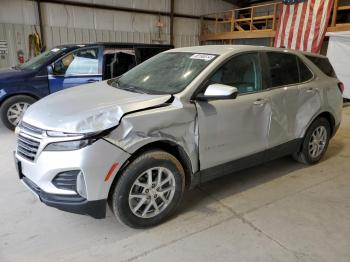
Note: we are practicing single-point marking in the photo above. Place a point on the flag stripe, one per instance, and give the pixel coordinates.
(292, 26)
(305, 25)
(318, 24)
(279, 27)
(326, 11)
(297, 20)
(308, 24)
(288, 28)
(301, 25)
(284, 24)
(324, 29)
(314, 24)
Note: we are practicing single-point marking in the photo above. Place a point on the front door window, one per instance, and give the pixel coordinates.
(80, 62)
(242, 72)
(79, 67)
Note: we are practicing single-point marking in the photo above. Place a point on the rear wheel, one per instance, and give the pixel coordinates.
(13, 108)
(149, 190)
(315, 142)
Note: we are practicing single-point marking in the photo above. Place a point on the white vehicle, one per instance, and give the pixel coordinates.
(183, 117)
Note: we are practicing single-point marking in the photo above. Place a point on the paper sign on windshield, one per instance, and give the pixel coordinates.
(202, 57)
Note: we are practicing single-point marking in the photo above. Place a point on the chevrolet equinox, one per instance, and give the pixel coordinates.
(181, 118)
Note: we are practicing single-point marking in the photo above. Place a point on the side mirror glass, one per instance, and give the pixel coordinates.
(54, 69)
(58, 68)
(49, 69)
(218, 91)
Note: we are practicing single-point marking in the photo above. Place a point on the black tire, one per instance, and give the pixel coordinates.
(8, 103)
(120, 196)
(304, 155)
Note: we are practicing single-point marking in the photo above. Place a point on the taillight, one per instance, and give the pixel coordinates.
(341, 87)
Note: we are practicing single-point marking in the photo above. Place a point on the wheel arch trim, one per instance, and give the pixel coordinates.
(6, 97)
(166, 145)
(328, 116)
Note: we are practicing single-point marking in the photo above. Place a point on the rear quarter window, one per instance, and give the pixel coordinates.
(323, 64)
(304, 72)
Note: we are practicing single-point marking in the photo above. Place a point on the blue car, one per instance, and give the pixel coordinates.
(64, 67)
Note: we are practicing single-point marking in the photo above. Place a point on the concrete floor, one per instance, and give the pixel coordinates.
(280, 211)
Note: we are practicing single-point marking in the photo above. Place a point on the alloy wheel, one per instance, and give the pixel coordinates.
(152, 192)
(16, 111)
(318, 141)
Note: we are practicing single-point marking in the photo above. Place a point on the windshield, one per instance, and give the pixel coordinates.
(166, 73)
(41, 59)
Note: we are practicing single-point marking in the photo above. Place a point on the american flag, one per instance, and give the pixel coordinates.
(302, 24)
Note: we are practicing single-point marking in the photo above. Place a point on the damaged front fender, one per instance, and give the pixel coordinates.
(175, 123)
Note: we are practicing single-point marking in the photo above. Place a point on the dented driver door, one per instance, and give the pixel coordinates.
(232, 129)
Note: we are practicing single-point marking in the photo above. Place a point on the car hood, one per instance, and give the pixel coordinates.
(10, 74)
(88, 108)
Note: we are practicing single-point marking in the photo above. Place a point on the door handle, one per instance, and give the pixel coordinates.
(312, 90)
(259, 102)
(92, 81)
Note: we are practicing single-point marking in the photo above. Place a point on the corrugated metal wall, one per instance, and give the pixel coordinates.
(16, 36)
(68, 24)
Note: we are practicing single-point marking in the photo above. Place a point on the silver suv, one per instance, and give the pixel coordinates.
(181, 118)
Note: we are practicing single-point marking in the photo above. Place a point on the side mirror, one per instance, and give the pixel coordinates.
(50, 70)
(218, 91)
(55, 69)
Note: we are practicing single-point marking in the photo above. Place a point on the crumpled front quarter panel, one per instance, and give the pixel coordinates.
(174, 123)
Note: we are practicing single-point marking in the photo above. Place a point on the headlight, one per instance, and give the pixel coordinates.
(69, 145)
(60, 134)
(81, 140)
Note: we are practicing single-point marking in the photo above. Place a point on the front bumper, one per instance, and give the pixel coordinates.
(74, 204)
(94, 161)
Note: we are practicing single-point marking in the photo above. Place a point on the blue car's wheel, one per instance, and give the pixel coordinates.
(13, 109)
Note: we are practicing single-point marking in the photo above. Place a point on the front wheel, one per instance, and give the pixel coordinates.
(13, 108)
(315, 142)
(149, 190)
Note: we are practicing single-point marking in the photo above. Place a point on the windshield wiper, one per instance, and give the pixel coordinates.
(131, 89)
(127, 87)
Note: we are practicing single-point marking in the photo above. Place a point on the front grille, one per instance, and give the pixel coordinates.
(30, 129)
(27, 147)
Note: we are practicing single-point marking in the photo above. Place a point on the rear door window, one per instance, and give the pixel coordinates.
(323, 64)
(283, 68)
